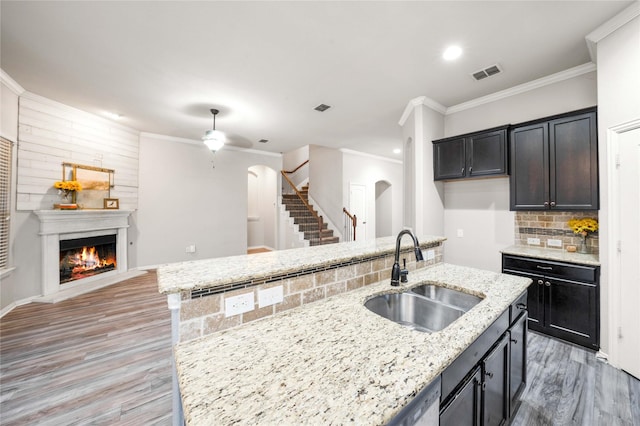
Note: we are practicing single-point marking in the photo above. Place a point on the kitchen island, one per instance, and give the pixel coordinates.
(332, 361)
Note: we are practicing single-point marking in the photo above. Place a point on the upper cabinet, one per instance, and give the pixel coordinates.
(473, 155)
(554, 163)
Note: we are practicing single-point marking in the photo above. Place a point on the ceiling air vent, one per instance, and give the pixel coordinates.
(322, 107)
(487, 72)
(263, 140)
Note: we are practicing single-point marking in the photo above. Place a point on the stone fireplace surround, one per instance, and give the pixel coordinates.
(57, 225)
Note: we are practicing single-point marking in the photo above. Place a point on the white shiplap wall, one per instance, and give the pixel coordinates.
(50, 133)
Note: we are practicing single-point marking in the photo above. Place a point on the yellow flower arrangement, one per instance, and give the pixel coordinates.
(583, 226)
(68, 185)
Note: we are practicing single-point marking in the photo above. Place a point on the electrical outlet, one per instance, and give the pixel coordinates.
(554, 243)
(270, 296)
(191, 248)
(431, 254)
(460, 233)
(238, 304)
(533, 241)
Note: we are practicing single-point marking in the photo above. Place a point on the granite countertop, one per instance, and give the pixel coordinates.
(560, 255)
(333, 361)
(207, 273)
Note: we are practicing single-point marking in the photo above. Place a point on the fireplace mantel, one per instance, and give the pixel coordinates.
(56, 225)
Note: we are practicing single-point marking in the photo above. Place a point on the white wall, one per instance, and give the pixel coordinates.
(326, 181)
(290, 161)
(386, 209)
(481, 207)
(51, 133)
(363, 169)
(618, 57)
(184, 200)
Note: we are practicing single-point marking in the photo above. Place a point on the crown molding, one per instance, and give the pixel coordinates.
(11, 83)
(364, 154)
(73, 110)
(421, 100)
(531, 85)
(226, 147)
(592, 39)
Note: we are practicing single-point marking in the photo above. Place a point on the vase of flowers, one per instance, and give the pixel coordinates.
(583, 227)
(68, 189)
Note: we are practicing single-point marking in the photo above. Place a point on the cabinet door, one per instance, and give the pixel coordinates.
(573, 159)
(572, 311)
(535, 299)
(449, 159)
(529, 179)
(487, 154)
(464, 408)
(517, 361)
(495, 394)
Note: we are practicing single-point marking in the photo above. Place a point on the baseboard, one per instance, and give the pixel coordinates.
(261, 247)
(11, 306)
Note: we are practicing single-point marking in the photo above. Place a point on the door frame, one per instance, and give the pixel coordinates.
(614, 235)
(361, 220)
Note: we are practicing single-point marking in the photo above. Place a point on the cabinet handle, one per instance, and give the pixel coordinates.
(489, 375)
(547, 283)
(515, 341)
(462, 171)
(522, 306)
(546, 204)
(545, 268)
(540, 282)
(470, 170)
(553, 204)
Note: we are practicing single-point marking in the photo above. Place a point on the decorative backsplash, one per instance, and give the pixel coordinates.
(552, 225)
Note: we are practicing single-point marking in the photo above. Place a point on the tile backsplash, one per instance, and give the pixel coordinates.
(552, 225)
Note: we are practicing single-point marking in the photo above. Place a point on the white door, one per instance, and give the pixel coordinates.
(628, 333)
(358, 206)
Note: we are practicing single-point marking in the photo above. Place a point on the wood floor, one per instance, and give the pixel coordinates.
(104, 358)
(100, 358)
(567, 385)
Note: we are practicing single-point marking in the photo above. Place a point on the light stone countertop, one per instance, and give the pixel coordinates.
(332, 361)
(207, 273)
(560, 255)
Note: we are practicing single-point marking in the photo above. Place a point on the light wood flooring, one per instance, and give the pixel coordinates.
(104, 358)
(100, 358)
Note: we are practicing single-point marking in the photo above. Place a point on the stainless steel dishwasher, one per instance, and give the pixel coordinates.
(423, 410)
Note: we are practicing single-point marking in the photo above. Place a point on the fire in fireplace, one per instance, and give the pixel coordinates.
(85, 257)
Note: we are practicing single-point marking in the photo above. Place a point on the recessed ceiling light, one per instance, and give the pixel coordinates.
(113, 115)
(452, 52)
(397, 151)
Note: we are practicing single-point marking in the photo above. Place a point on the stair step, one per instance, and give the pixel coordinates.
(324, 241)
(311, 235)
(307, 227)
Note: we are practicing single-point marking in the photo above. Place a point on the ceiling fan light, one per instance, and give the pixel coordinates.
(213, 139)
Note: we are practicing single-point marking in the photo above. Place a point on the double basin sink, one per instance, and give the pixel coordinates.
(427, 308)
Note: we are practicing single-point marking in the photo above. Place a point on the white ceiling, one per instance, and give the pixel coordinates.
(266, 65)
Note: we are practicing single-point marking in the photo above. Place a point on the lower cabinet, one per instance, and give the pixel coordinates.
(493, 371)
(563, 300)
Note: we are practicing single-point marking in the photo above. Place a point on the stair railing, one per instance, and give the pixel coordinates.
(350, 224)
(306, 204)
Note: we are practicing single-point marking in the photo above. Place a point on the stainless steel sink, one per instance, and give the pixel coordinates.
(414, 311)
(448, 296)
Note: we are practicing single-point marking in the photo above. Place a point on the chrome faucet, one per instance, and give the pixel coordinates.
(398, 274)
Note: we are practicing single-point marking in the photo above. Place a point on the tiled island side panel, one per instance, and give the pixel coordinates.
(203, 313)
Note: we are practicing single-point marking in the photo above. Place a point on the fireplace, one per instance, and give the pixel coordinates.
(85, 257)
(86, 244)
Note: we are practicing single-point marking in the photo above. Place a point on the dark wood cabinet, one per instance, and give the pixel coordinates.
(483, 385)
(473, 155)
(495, 386)
(563, 300)
(554, 163)
(517, 361)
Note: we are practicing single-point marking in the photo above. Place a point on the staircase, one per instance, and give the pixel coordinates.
(306, 222)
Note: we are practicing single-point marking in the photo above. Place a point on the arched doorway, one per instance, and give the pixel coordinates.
(384, 209)
(262, 195)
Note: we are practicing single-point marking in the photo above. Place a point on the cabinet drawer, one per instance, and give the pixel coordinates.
(518, 307)
(549, 268)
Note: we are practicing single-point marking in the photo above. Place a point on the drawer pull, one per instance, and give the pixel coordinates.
(522, 306)
(545, 268)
